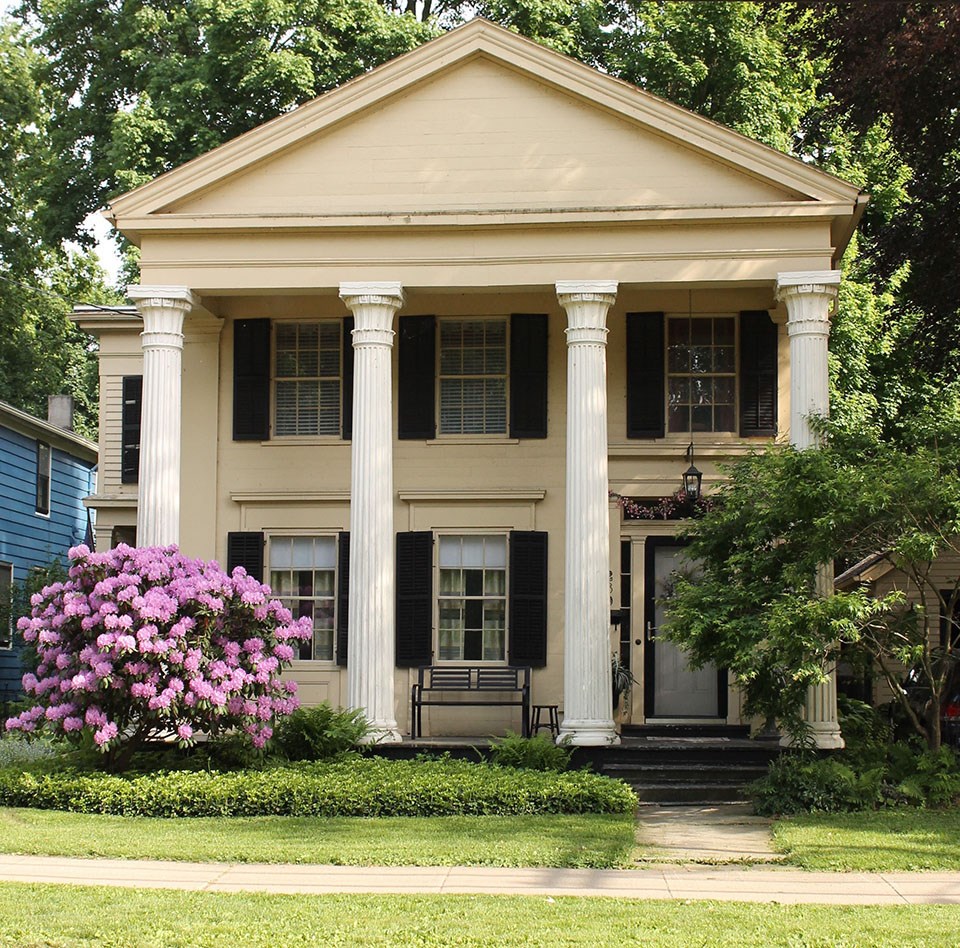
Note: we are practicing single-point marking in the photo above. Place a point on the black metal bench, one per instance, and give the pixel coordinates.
(474, 681)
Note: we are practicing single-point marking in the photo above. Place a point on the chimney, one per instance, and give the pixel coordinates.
(60, 411)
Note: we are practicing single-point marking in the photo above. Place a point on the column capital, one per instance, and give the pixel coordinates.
(586, 291)
(809, 296)
(162, 309)
(161, 297)
(373, 304)
(586, 303)
(372, 292)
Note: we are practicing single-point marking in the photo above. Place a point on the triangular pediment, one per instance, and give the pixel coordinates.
(480, 121)
(481, 136)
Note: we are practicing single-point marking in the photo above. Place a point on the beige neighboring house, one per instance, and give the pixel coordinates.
(394, 350)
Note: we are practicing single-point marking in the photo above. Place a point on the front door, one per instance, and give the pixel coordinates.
(672, 688)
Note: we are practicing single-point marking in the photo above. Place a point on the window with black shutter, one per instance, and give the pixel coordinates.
(414, 616)
(645, 375)
(251, 380)
(131, 395)
(246, 549)
(416, 359)
(528, 375)
(528, 598)
(476, 376)
(343, 596)
(758, 375)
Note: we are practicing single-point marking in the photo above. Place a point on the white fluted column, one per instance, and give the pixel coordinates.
(809, 297)
(371, 650)
(163, 309)
(587, 686)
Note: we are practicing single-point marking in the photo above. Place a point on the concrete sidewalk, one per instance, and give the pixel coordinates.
(724, 883)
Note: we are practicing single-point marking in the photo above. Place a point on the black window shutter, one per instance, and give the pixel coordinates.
(246, 550)
(414, 599)
(645, 375)
(251, 380)
(346, 383)
(758, 375)
(130, 429)
(417, 385)
(343, 595)
(528, 376)
(528, 598)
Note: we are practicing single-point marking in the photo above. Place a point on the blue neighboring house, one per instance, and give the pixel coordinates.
(45, 473)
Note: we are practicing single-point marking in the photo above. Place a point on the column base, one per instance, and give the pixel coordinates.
(825, 736)
(382, 735)
(588, 733)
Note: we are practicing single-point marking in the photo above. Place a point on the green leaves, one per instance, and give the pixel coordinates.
(755, 606)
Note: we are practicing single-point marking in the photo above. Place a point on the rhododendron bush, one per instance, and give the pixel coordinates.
(144, 643)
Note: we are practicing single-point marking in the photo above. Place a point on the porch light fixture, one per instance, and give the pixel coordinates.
(692, 478)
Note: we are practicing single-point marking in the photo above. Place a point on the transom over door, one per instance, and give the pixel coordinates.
(673, 688)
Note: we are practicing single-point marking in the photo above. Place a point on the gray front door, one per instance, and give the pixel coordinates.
(673, 688)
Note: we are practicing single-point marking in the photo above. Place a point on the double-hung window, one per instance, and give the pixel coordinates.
(714, 374)
(473, 376)
(307, 376)
(43, 478)
(701, 374)
(303, 576)
(472, 598)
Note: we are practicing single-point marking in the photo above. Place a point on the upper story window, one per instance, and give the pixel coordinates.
(6, 605)
(701, 374)
(303, 576)
(472, 599)
(473, 376)
(43, 478)
(307, 375)
(690, 374)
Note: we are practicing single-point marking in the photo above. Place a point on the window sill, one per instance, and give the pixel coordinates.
(299, 441)
(471, 439)
(716, 447)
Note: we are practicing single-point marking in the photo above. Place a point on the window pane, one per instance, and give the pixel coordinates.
(451, 582)
(679, 418)
(701, 332)
(723, 332)
(473, 385)
(724, 359)
(494, 582)
(679, 332)
(450, 551)
(472, 551)
(473, 580)
(723, 419)
(495, 552)
(678, 359)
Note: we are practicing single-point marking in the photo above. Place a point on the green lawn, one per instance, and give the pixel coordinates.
(596, 841)
(72, 916)
(886, 840)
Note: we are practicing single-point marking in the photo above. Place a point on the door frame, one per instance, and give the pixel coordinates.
(651, 545)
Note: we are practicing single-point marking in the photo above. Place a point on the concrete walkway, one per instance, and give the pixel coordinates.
(717, 833)
(724, 883)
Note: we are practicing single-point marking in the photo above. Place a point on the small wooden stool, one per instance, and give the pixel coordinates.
(553, 719)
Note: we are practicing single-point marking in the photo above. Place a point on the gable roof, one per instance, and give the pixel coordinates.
(155, 204)
(31, 427)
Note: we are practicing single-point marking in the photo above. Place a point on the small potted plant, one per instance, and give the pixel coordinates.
(623, 679)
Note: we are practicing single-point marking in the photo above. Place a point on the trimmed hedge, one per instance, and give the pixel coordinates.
(350, 787)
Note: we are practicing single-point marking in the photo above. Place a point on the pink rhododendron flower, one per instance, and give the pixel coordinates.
(145, 641)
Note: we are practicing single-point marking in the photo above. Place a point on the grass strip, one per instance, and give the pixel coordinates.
(71, 916)
(901, 840)
(571, 841)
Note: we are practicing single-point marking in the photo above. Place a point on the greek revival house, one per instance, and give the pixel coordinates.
(400, 351)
